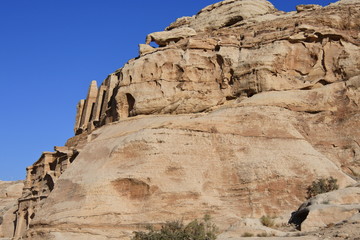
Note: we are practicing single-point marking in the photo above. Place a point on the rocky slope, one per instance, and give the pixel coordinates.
(235, 113)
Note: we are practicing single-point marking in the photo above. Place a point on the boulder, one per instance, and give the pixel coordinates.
(307, 7)
(165, 37)
(328, 209)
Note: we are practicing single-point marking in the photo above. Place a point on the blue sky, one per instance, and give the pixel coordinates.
(50, 50)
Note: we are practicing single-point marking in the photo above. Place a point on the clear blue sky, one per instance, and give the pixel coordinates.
(50, 50)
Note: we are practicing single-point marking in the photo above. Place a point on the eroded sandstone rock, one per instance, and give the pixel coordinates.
(40, 181)
(166, 37)
(258, 103)
(9, 194)
(272, 51)
(328, 209)
(233, 163)
(307, 7)
(225, 14)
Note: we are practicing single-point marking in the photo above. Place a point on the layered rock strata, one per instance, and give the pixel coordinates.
(235, 113)
(274, 51)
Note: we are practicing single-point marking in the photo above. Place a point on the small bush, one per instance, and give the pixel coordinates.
(267, 221)
(247, 234)
(321, 185)
(176, 230)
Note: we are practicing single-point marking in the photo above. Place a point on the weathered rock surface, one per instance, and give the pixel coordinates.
(233, 163)
(328, 208)
(224, 14)
(9, 194)
(234, 115)
(40, 180)
(267, 51)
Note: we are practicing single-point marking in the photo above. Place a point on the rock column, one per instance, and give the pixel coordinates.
(91, 113)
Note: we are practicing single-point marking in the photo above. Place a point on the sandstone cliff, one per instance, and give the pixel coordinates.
(9, 194)
(235, 113)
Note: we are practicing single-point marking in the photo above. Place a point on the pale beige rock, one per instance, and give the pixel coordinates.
(205, 44)
(174, 35)
(144, 49)
(180, 22)
(328, 98)
(177, 81)
(229, 12)
(262, 102)
(79, 112)
(92, 112)
(307, 7)
(85, 110)
(218, 15)
(230, 163)
(331, 208)
(9, 193)
(271, 52)
(224, 14)
(40, 181)
(346, 2)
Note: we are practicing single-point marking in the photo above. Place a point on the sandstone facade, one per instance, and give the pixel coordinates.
(235, 113)
(91, 112)
(40, 181)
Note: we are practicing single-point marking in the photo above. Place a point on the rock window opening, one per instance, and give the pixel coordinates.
(131, 102)
(154, 45)
(52, 165)
(49, 182)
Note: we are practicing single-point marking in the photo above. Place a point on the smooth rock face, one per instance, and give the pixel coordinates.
(258, 107)
(233, 163)
(9, 194)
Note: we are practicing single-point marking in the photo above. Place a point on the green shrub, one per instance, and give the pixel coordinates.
(176, 230)
(321, 185)
(247, 234)
(267, 221)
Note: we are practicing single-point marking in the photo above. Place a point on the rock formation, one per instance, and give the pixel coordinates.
(328, 208)
(235, 113)
(9, 194)
(40, 180)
